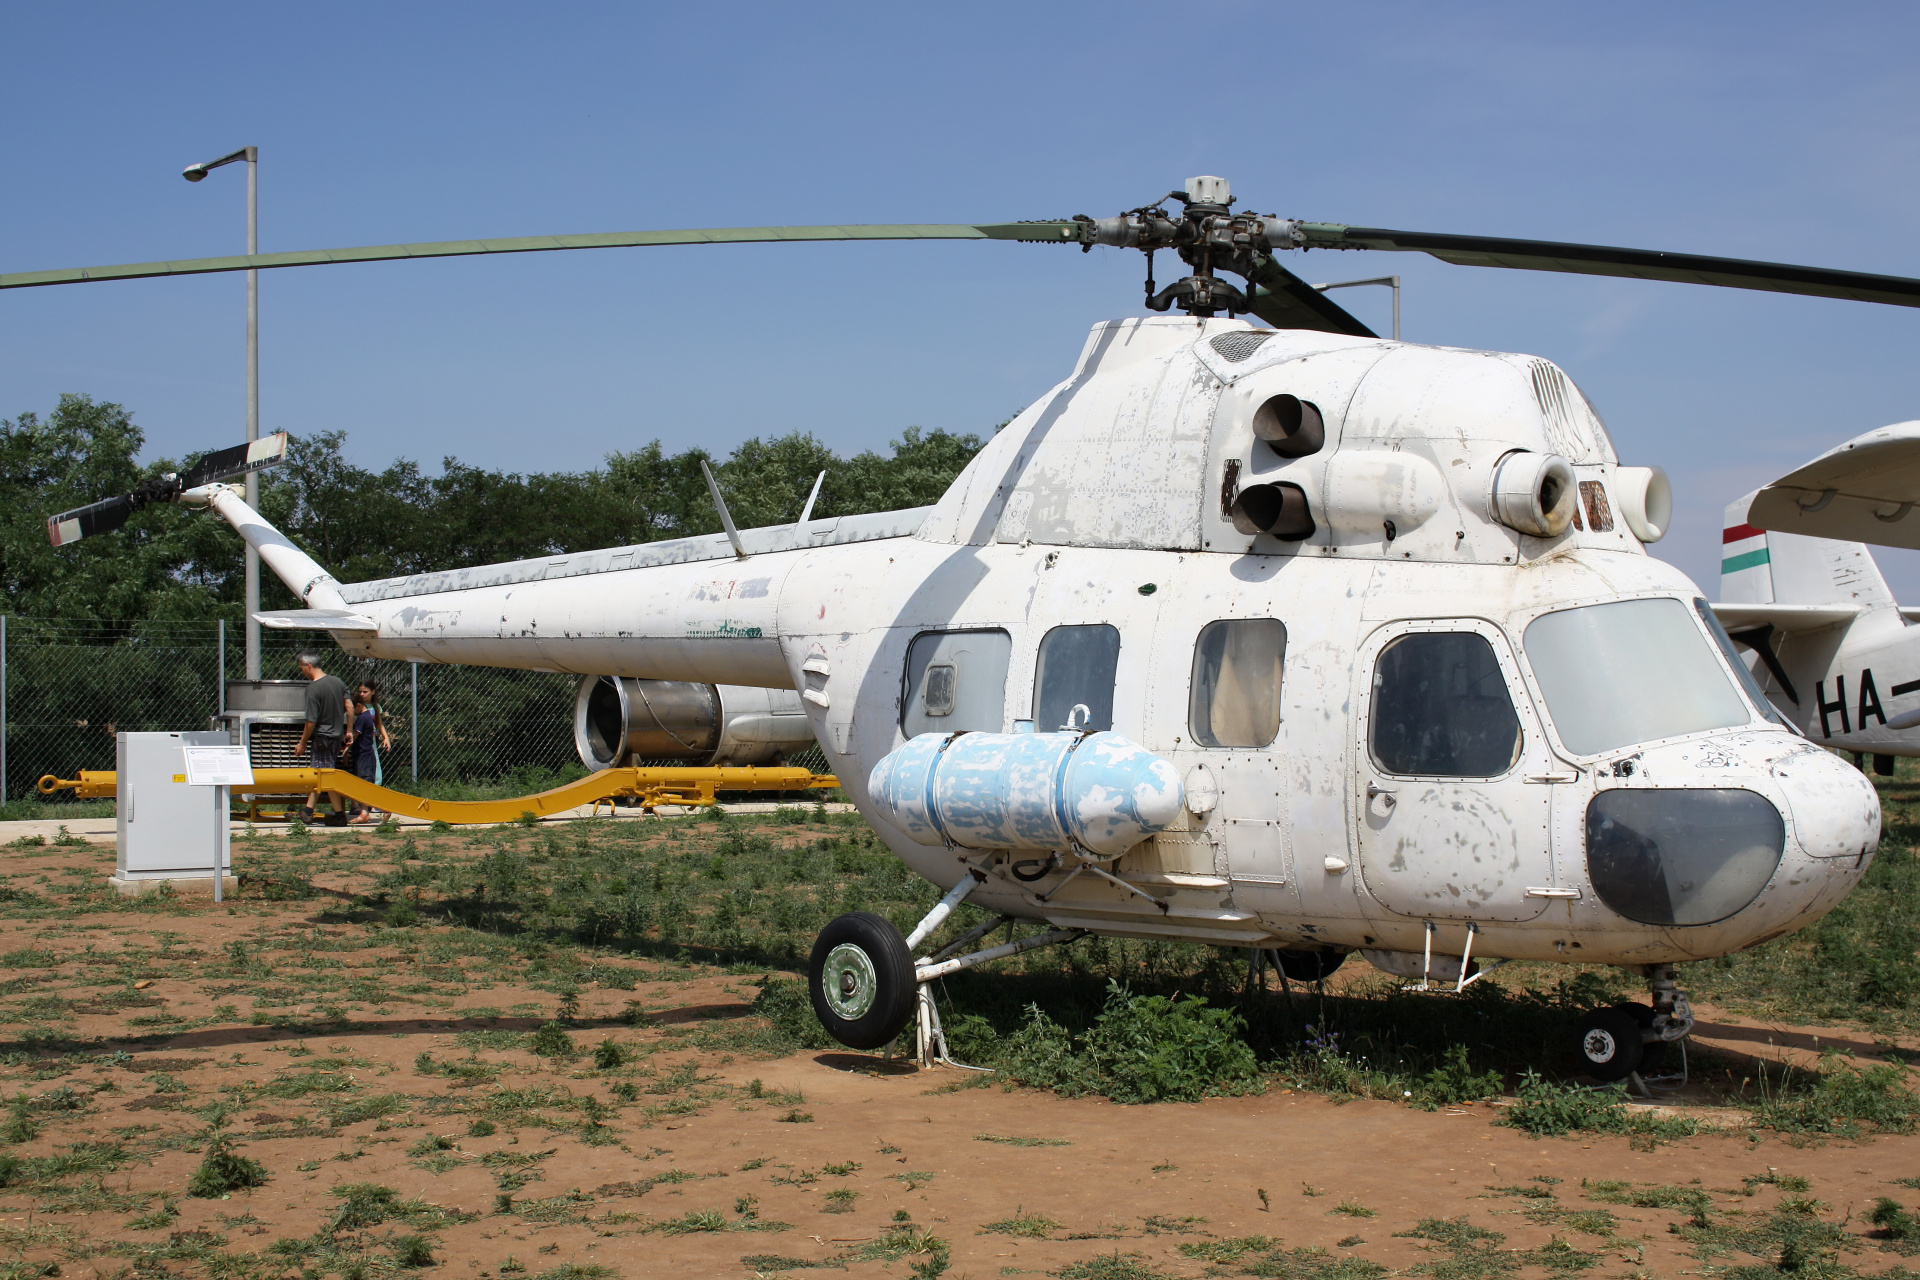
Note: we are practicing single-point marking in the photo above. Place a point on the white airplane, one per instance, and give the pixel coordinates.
(1293, 639)
(1833, 650)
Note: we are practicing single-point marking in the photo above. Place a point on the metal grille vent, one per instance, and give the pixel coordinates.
(270, 746)
(1238, 346)
(1570, 422)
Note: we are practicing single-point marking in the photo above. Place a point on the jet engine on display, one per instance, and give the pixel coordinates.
(1282, 637)
(620, 722)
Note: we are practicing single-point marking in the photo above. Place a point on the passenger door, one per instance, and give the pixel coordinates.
(1450, 779)
(956, 680)
(1233, 718)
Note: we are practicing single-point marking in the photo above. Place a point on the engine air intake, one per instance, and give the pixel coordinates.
(1533, 493)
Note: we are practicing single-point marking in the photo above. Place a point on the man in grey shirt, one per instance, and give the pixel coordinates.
(325, 730)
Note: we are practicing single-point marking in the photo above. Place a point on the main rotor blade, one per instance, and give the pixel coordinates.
(1285, 301)
(1639, 264)
(83, 522)
(223, 464)
(1042, 232)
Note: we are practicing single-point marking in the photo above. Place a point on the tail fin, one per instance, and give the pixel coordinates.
(1758, 567)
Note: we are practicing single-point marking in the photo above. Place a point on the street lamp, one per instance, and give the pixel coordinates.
(1391, 281)
(195, 173)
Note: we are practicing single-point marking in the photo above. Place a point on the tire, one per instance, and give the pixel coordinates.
(1607, 1044)
(1653, 1053)
(861, 979)
(1308, 966)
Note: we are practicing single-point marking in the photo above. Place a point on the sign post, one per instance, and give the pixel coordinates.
(219, 768)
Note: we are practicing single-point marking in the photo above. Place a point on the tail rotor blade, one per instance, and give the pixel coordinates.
(242, 459)
(84, 522)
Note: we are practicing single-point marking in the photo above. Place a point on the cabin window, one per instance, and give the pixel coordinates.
(1441, 708)
(1075, 669)
(956, 681)
(1236, 682)
(1631, 671)
(938, 698)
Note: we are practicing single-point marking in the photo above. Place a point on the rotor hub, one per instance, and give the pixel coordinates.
(1207, 235)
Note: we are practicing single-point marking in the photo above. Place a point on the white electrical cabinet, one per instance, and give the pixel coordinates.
(167, 829)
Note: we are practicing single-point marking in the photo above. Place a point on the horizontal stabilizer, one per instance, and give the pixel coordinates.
(1785, 617)
(315, 620)
(1866, 490)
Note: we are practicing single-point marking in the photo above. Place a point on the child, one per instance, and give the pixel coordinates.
(368, 736)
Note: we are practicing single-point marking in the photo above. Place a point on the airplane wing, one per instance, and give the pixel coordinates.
(1866, 490)
(1787, 617)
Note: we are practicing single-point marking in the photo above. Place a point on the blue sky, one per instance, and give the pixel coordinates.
(1750, 130)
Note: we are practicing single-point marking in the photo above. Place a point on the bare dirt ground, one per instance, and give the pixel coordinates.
(366, 1056)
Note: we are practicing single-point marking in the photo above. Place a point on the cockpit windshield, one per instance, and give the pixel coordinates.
(1631, 671)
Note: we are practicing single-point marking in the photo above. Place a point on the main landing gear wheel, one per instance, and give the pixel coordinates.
(1607, 1044)
(861, 980)
(1308, 966)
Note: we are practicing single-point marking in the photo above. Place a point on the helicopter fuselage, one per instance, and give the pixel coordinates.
(1418, 727)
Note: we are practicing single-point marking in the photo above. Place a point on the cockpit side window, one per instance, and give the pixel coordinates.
(1441, 708)
(1073, 678)
(1742, 673)
(1235, 695)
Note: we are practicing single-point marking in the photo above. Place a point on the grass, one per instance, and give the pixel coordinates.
(513, 928)
(1549, 1109)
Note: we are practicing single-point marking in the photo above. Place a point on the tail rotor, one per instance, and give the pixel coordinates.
(110, 514)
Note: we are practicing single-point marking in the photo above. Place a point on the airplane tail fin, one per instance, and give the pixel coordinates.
(1759, 567)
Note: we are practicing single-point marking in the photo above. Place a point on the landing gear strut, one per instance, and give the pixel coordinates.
(866, 986)
(1629, 1041)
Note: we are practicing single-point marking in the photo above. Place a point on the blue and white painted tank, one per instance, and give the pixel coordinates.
(1100, 792)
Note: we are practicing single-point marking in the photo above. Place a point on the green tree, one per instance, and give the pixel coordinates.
(360, 524)
(160, 566)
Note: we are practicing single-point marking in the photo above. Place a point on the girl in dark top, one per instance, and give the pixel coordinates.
(368, 738)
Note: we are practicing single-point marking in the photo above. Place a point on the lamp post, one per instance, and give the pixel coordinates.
(1392, 282)
(194, 173)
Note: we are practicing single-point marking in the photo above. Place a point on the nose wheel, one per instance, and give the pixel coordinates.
(1633, 1040)
(1607, 1044)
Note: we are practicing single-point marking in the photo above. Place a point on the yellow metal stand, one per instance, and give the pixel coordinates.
(651, 787)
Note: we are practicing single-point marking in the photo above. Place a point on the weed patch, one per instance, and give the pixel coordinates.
(1843, 1101)
(1140, 1049)
(1547, 1109)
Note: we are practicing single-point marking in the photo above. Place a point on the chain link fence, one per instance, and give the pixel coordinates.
(67, 687)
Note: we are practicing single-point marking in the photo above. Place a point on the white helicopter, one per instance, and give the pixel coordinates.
(1291, 638)
(1799, 589)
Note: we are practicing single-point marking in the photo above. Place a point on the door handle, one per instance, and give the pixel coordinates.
(1376, 791)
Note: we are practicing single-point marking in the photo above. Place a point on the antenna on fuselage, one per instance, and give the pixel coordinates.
(800, 525)
(720, 505)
